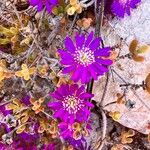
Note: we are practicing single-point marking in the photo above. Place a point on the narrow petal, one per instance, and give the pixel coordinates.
(66, 61)
(80, 116)
(63, 125)
(63, 89)
(100, 69)
(86, 111)
(128, 10)
(71, 119)
(73, 88)
(48, 7)
(56, 95)
(84, 75)
(66, 134)
(118, 9)
(54, 2)
(59, 113)
(80, 39)
(68, 69)
(40, 6)
(89, 39)
(102, 52)
(92, 72)
(95, 44)
(80, 90)
(55, 105)
(86, 95)
(76, 75)
(65, 116)
(87, 103)
(69, 45)
(34, 2)
(106, 62)
(64, 54)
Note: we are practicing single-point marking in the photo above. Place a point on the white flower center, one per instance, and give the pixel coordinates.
(84, 56)
(72, 104)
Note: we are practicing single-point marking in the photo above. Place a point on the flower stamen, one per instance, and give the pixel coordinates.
(72, 104)
(84, 56)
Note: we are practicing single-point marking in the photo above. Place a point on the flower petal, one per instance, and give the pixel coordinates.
(54, 2)
(73, 88)
(40, 6)
(95, 44)
(48, 6)
(106, 62)
(59, 113)
(89, 104)
(89, 39)
(84, 75)
(76, 75)
(68, 69)
(69, 45)
(63, 125)
(34, 2)
(56, 95)
(92, 72)
(80, 40)
(86, 95)
(65, 55)
(55, 105)
(100, 69)
(102, 52)
(80, 90)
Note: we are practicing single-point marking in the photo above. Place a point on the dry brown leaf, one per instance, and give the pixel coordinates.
(138, 58)
(133, 46)
(147, 82)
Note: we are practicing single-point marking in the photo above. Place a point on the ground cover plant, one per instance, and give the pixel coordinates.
(74, 75)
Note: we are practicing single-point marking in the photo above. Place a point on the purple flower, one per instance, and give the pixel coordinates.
(49, 4)
(122, 7)
(85, 59)
(72, 103)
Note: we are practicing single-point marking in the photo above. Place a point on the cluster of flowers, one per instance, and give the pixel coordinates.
(118, 7)
(82, 60)
(71, 105)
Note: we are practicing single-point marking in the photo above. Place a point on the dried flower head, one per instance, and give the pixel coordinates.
(73, 7)
(85, 56)
(25, 72)
(4, 72)
(122, 7)
(37, 105)
(72, 103)
(126, 137)
(115, 115)
(84, 23)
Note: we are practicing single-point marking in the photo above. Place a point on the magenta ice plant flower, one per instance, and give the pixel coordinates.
(72, 103)
(49, 4)
(122, 7)
(85, 59)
